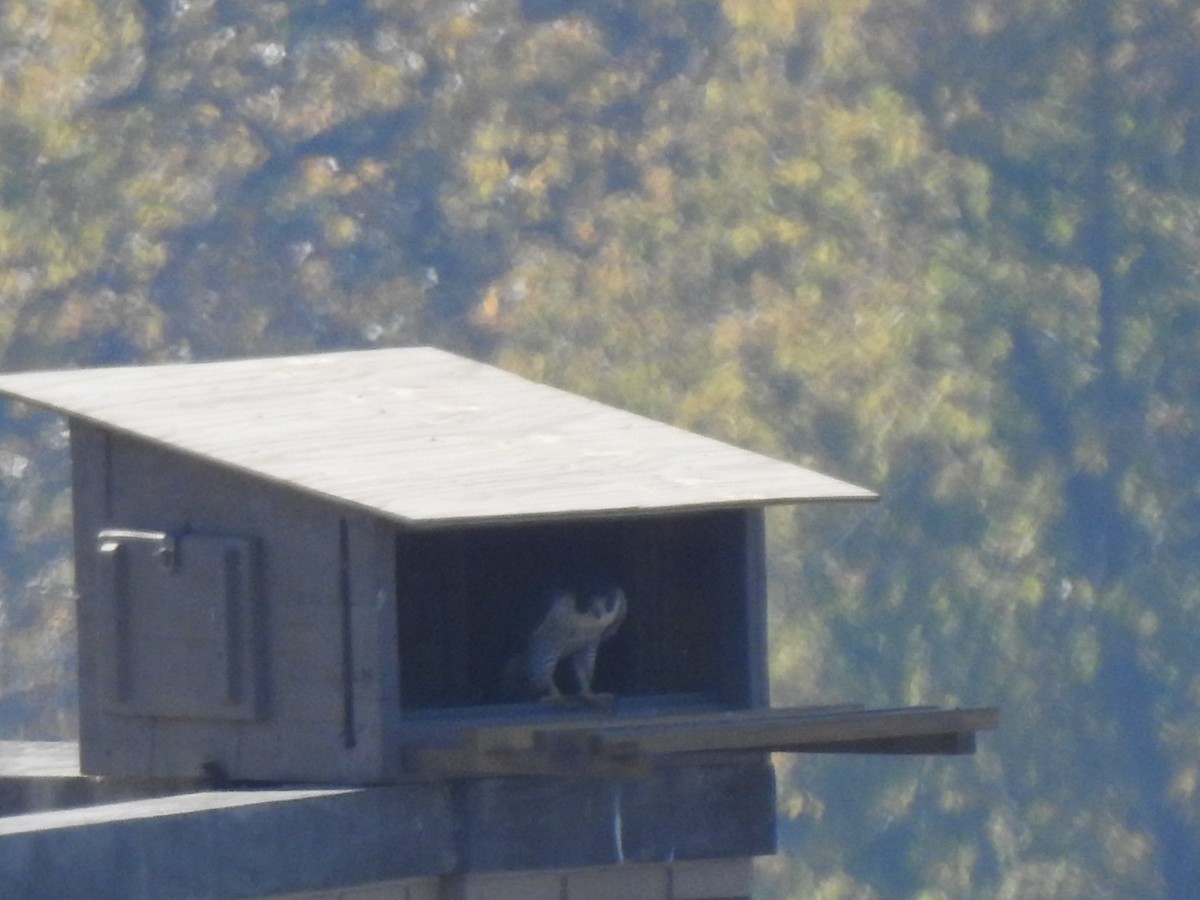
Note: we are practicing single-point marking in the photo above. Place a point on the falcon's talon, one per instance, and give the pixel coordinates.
(597, 699)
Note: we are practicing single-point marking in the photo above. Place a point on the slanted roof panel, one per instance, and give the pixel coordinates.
(422, 435)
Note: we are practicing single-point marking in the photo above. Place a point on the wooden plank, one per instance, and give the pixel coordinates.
(617, 748)
(579, 762)
(39, 759)
(793, 734)
(951, 744)
(424, 436)
(755, 549)
(525, 735)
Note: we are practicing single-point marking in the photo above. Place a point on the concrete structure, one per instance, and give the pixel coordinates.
(442, 839)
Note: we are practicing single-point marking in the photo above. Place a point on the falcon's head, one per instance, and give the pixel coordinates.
(607, 606)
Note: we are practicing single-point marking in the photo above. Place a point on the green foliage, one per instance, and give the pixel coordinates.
(947, 250)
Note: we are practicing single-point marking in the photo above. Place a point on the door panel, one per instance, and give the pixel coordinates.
(184, 624)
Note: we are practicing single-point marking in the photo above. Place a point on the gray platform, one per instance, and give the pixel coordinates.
(254, 843)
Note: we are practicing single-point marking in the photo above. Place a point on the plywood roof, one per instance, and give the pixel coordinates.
(424, 436)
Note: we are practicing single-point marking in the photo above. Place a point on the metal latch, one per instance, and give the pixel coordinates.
(109, 540)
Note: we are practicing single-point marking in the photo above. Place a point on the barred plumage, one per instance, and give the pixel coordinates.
(578, 620)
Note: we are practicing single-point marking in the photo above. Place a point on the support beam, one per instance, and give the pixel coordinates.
(278, 841)
(627, 748)
(227, 844)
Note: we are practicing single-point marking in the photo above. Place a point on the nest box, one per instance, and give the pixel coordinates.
(311, 569)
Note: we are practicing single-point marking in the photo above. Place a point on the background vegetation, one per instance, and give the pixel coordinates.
(944, 248)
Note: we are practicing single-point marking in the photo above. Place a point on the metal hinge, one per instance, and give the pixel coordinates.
(109, 540)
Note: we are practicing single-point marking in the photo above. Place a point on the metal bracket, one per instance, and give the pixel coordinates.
(109, 540)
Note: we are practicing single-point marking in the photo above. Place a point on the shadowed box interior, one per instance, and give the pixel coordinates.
(467, 600)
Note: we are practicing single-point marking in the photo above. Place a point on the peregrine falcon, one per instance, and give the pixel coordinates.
(577, 619)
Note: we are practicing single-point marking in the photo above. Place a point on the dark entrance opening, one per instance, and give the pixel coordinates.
(468, 598)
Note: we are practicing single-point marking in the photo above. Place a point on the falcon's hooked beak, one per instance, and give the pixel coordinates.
(609, 606)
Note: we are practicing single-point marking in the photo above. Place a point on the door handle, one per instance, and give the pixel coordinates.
(109, 540)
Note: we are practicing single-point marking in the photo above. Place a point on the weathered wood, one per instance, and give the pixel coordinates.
(615, 747)
(950, 744)
(746, 731)
(742, 573)
(565, 762)
(380, 525)
(423, 436)
(314, 642)
(527, 735)
(185, 635)
(265, 842)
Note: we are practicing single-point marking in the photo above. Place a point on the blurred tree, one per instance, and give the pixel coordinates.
(1084, 116)
(943, 249)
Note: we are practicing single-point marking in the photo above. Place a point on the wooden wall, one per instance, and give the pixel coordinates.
(322, 665)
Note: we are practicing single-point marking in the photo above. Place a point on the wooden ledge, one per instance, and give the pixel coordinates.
(622, 748)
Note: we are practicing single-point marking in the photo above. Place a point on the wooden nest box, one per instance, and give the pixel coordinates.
(317, 569)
